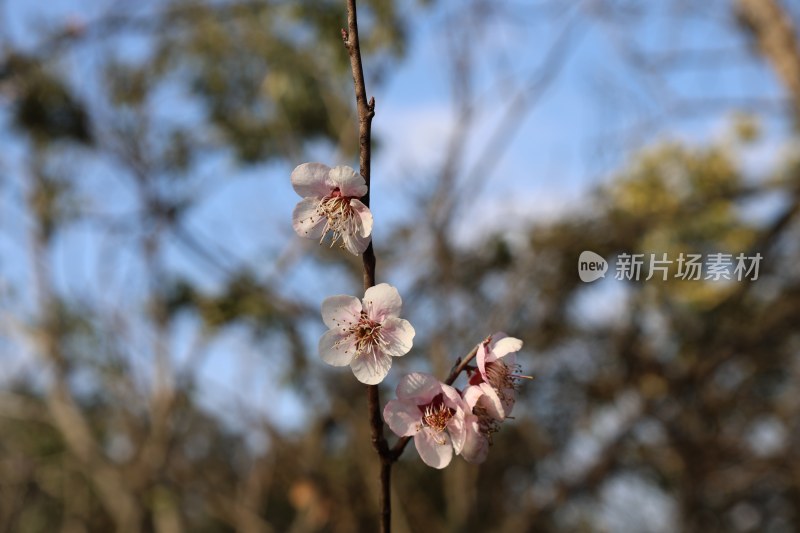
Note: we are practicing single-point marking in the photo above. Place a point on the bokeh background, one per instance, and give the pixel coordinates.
(159, 317)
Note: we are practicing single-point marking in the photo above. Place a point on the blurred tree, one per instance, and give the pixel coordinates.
(655, 395)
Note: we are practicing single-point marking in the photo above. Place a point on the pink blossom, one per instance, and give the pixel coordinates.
(498, 372)
(365, 334)
(433, 413)
(331, 204)
(484, 415)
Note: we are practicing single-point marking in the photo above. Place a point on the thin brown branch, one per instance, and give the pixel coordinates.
(460, 365)
(366, 110)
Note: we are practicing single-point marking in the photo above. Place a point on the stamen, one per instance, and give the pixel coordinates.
(504, 379)
(502, 376)
(436, 415)
(340, 217)
(367, 335)
(486, 423)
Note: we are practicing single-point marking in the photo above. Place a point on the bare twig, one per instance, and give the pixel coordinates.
(460, 365)
(366, 110)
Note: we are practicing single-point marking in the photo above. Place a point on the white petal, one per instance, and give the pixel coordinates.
(492, 403)
(476, 445)
(399, 335)
(382, 301)
(371, 368)
(504, 346)
(305, 219)
(452, 398)
(509, 399)
(456, 427)
(310, 179)
(403, 417)
(434, 448)
(341, 311)
(421, 387)
(364, 218)
(496, 336)
(471, 396)
(354, 243)
(349, 182)
(510, 359)
(482, 357)
(336, 348)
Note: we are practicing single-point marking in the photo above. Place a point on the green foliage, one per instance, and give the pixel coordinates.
(242, 299)
(273, 76)
(45, 107)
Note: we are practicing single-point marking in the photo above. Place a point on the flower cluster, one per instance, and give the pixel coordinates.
(443, 421)
(367, 333)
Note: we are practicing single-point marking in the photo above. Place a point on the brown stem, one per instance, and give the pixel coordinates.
(460, 365)
(366, 110)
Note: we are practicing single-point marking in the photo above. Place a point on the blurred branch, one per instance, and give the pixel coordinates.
(690, 58)
(516, 111)
(111, 486)
(593, 475)
(774, 32)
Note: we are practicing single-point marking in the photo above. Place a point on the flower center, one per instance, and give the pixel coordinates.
(500, 376)
(436, 414)
(486, 423)
(340, 217)
(368, 335)
(503, 378)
